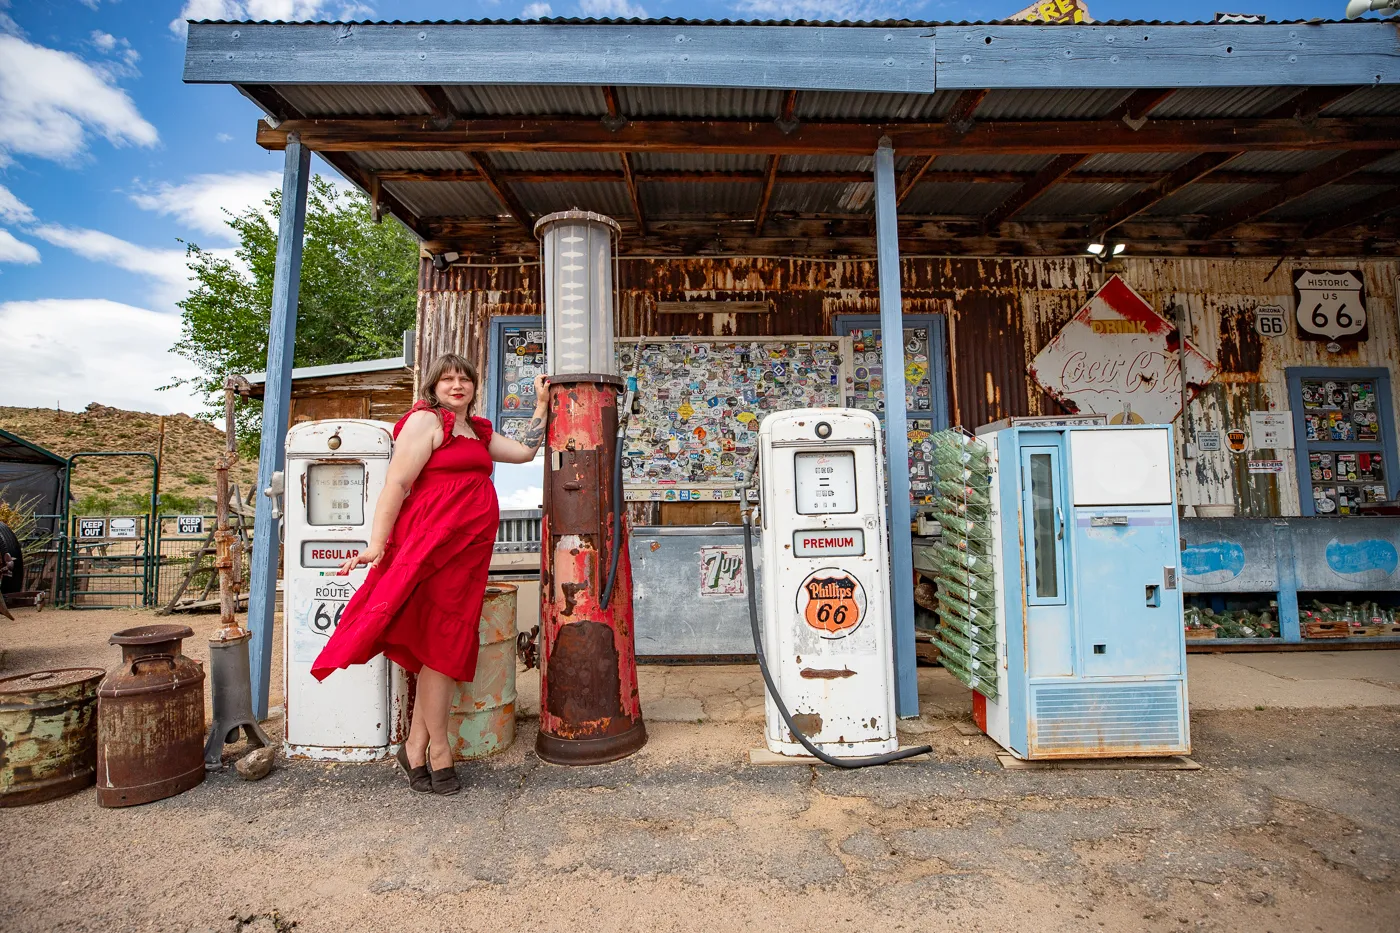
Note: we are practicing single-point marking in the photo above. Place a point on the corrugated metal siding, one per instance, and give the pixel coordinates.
(701, 199)
(603, 197)
(827, 105)
(413, 160)
(960, 198)
(1279, 161)
(716, 103)
(1000, 313)
(348, 100)
(1204, 198)
(1079, 200)
(1380, 100)
(1321, 201)
(512, 100)
(698, 162)
(1134, 161)
(446, 199)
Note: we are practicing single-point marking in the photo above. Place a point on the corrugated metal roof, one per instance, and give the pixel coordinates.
(446, 199)
(698, 162)
(1286, 162)
(557, 161)
(851, 198)
(1388, 164)
(1321, 201)
(700, 199)
(990, 163)
(348, 100)
(1200, 102)
(603, 197)
(1079, 200)
(1368, 102)
(828, 105)
(512, 100)
(836, 163)
(1204, 198)
(1051, 104)
(1134, 162)
(718, 103)
(961, 198)
(414, 161)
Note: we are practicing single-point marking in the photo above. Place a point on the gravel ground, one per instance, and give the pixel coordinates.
(1291, 825)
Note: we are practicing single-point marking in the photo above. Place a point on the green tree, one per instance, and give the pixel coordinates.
(359, 293)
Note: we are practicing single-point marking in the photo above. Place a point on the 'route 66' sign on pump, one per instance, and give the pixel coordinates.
(1330, 305)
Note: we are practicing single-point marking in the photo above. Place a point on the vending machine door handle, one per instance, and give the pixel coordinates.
(1060, 518)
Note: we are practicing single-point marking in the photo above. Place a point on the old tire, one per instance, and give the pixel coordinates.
(9, 544)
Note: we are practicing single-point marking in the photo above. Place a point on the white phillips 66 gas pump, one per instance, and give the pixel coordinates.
(826, 603)
(335, 472)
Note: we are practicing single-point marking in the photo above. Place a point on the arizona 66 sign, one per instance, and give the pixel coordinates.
(1330, 305)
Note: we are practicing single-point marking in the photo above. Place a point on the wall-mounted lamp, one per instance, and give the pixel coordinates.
(1105, 250)
(442, 260)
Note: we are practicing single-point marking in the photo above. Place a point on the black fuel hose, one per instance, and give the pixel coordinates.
(617, 526)
(773, 689)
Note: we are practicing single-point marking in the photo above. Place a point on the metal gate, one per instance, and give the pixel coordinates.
(111, 559)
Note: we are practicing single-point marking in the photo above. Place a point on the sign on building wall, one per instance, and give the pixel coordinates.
(1330, 306)
(1054, 12)
(1118, 357)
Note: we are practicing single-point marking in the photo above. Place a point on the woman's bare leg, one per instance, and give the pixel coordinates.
(428, 732)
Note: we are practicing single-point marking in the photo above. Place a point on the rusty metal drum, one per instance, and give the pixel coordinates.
(150, 719)
(482, 721)
(48, 734)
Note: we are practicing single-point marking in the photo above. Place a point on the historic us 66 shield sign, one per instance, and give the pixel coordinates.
(1330, 305)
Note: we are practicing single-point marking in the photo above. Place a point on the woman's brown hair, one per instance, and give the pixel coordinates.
(445, 364)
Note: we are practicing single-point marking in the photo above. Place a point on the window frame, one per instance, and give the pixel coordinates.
(1302, 446)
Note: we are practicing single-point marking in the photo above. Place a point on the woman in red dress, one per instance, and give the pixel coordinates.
(429, 552)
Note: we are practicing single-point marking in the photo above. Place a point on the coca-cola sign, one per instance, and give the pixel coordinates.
(1117, 354)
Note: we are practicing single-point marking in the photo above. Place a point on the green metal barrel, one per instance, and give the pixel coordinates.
(482, 721)
(48, 734)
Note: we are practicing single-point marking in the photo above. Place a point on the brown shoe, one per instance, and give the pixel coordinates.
(419, 778)
(445, 781)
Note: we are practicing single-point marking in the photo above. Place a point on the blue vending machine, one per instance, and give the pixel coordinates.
(1088, 609)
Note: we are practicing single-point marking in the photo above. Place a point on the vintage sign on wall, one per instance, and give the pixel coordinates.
(1272, 430)
(1055, 12)
(1118, 355)
(1330, 306)
(1270, 321)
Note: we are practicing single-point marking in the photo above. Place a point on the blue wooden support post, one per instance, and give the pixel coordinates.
(896, 433)
(1290, 627)
(277, 398)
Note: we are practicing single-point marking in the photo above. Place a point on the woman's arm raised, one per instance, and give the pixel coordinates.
(505, 450)
(421, 435)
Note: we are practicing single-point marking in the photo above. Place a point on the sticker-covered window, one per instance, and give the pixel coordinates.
(1346, 451)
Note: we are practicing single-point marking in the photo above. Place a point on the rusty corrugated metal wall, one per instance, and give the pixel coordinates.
(1000, 313)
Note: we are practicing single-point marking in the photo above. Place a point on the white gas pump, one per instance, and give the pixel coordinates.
(335, 472)
(826, 605)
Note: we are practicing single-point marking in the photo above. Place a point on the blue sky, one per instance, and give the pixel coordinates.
(108, 161)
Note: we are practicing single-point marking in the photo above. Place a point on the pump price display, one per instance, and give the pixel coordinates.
(829, 542)
(826, 482)
(335, 494)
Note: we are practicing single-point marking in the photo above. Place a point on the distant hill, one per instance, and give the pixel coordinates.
(119, 484)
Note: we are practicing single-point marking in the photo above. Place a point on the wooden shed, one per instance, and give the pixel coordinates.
(378, 389)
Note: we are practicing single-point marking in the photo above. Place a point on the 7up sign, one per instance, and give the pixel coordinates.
(1330, 305)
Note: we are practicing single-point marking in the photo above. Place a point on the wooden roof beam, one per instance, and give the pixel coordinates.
(1059, 167)
(945, 176)
(630, 178)
(1133, 111)
(770, 175)
(271, 100)
(1192, 171)
(439, 104)
(503, 194)
(959, 118)
(787, 117)
(614, 120)
(523, 134)
(1297, 186)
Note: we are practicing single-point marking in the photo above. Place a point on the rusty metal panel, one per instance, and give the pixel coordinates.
(48, 734)
(573, 480)
(482, 717)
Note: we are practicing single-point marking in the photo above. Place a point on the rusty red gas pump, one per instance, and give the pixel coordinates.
(590, 712)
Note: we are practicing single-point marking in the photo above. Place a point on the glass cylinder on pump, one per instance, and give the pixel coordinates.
(576, 252)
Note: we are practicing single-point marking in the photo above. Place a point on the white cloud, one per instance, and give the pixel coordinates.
(52, 99)
(536, 11)
(12, 209)
(166, 267)
(12, 250)
(104, 41)
(223, 137)
(109, 44)
(200, 203)
(120, 358)
(287, 10)
(620, 9)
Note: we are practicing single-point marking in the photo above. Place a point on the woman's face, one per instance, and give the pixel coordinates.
(455, 390)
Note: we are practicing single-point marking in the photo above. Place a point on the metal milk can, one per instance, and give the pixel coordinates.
(150, 718)
(48, 734)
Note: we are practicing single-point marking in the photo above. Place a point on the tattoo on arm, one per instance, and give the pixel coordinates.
(534, 434)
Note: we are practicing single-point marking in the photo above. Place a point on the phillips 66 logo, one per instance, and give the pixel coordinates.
(832, 601)
(1330, 305)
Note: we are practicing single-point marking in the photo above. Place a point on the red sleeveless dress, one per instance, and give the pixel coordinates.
(421, 606)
